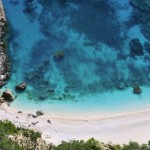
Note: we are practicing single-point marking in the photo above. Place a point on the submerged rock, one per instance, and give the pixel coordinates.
(137, 90)
(34, 123)
(34, 116)
(42, 97)
(7, 95)
(59, 55)
(136, 47)
(22, 86)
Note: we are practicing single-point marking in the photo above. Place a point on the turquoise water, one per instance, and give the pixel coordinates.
(97, 61)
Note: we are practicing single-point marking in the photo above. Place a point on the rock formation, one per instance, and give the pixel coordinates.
(4, 64)
(137, 90)
(59, 55)
(7, 95)
(40, 113)
(21, 87)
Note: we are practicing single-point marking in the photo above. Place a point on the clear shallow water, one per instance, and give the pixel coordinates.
(94, 37)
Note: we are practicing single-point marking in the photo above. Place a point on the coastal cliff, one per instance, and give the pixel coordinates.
(4, 63)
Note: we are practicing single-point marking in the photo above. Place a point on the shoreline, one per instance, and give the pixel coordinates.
(119, 129)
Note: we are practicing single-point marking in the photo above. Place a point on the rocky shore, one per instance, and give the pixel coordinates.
(4, 63)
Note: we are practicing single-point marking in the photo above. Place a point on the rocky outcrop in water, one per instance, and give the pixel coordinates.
(21, 87)
(7, 95)
(137, 90)
(4, 64)
(59, 55)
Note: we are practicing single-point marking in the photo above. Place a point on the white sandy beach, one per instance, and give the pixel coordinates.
(118, 129)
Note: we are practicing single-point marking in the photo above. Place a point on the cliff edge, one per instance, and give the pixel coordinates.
(4, 63)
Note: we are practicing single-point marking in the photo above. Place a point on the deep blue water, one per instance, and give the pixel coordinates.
(94, 37)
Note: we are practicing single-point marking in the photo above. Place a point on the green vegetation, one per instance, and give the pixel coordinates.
(93, 144)
(7, 144)
(8, 128)
(30, 133)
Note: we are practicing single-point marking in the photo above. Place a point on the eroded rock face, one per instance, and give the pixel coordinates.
(4, 64)
(7, 95)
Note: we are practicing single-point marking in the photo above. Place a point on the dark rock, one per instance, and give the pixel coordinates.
(7, 95)
(60, 98)
(136, 47)
(66, 90)
(34, 116)
(59, 55)
(137, 90)
(42, 97)
(48, 121)
(40, 113)
(22, 86)
(34, 123)
(19, 112)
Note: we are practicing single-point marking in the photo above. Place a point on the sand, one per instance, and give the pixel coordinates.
(118, 128)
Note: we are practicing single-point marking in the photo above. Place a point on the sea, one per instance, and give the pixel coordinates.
(77, 57)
